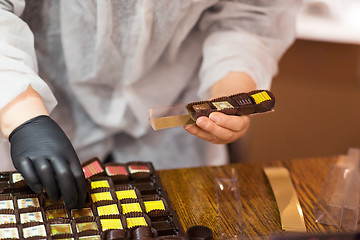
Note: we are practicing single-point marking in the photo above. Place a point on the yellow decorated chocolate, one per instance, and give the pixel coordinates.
(100, 184)
(110, 224)
(131, 207)
(261, 97)
(154, 205)
(108, 210)
(96, 197)
(124, 194)
(136, 221)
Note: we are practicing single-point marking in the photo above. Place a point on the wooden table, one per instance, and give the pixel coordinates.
(192, 195)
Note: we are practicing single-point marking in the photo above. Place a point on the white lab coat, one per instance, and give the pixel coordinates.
(107, 61)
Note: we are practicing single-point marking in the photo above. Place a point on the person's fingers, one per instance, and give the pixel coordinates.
(26, 169)
(80, 182)
(212, 128)
(45, 172)
(66, 182)
(233, 123)
(220, 129)
(200, 133)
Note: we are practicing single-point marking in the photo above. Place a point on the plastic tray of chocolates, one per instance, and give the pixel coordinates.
(124, 201)
(257, 101)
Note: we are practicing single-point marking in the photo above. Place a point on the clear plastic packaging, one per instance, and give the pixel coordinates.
(338, 200)
(228, 201)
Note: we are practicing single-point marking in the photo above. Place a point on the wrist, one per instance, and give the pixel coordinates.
(25, 106)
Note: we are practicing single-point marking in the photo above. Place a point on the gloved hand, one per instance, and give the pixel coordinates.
(43, 154)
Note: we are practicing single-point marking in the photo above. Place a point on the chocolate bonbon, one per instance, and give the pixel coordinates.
(80, 213)
(6, 202)
(34, 215)
(139, 170)
(93, 168)
(9, 233)
(125, 192)
(56, 212)
(7, 216)
(34, 230)
(117, 171)
(28, 201)
(60, 229)
(108, 209)
(238, 104)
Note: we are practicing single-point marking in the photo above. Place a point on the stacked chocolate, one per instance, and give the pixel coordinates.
(125, 201)
(257, 101)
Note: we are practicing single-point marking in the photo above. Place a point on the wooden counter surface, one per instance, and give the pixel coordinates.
(192, 195)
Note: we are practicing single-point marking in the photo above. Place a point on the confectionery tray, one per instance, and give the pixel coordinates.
(124, 201)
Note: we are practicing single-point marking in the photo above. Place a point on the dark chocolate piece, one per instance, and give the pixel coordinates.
(143, 232)
(145, 188)
(164, 228)
(199, 232)
(201, 106)
(115, 234)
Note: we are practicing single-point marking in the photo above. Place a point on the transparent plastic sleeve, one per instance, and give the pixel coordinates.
(229, 205)
(338, 200)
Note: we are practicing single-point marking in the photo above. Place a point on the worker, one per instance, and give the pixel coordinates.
(77, 79)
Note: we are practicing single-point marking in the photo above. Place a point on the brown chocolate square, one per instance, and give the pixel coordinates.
(201, 106)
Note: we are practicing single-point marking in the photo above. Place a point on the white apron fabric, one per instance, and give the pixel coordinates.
(106, 62)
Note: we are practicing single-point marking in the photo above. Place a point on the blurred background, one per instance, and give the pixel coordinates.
(317, 90)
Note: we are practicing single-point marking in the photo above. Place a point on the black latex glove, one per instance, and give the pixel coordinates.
(43, 154)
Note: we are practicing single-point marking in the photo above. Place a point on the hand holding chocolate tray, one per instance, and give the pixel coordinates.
(257, 101)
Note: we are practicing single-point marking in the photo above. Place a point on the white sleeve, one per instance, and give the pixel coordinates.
(18, 65)
(246, 36)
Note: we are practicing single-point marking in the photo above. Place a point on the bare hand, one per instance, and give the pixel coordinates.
(219, 128)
